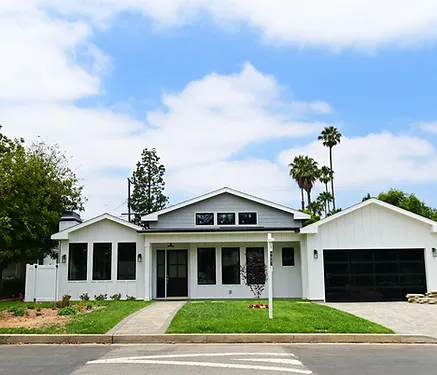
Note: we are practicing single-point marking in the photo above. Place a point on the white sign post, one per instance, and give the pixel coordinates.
(270, 241)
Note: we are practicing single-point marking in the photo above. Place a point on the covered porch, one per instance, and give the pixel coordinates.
(208, 265)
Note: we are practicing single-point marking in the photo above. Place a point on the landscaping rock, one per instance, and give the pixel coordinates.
(429, 298)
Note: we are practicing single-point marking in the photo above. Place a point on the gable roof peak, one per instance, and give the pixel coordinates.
(298, 215)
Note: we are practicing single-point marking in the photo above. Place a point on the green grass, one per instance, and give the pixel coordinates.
(290, 316)
(98, 321)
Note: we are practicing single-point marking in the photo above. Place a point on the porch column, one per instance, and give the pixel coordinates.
(147, 271)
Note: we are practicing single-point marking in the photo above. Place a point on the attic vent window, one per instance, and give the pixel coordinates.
(247, 218)
(205, 219)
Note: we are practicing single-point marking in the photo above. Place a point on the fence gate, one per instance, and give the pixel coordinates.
(41, 283)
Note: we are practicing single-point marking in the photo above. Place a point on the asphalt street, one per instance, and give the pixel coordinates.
(219, 359)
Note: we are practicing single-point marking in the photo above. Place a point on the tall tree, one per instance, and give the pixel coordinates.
(37, 187)
(148, 185)
(326, 176)
(296, 172)
(330, 136)
(305, 172)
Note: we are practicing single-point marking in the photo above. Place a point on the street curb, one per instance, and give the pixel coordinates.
(217, 339)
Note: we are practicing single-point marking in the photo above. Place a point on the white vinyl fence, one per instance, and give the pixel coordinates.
(41, 283)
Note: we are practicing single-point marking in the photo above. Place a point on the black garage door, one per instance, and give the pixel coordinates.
(373, 275)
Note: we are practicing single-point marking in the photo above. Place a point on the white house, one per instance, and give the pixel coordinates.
(372, 251)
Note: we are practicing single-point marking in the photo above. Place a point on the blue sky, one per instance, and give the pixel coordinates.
(228, 92)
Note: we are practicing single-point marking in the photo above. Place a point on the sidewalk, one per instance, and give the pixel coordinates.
(153, 319)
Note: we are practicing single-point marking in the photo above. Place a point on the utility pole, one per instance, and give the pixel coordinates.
(129, 182)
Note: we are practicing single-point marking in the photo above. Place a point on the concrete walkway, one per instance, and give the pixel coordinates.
(401, 317)
(154, 318)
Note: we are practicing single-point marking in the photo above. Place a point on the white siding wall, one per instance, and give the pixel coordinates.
(287, 280)
(371, 227)
(104, 231)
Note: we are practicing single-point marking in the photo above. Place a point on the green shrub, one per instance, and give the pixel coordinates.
(67, 311)
(18, 311)
(84, 297)
(30, 306)
(64, 302)
(100, 297)
(89, 306)
(116, 297)
(130, 298)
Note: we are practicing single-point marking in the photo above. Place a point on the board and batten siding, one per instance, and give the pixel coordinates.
(225, 203)
(103, 231)
(371, 227)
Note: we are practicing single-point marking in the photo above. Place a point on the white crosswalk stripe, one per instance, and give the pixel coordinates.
(274, 362)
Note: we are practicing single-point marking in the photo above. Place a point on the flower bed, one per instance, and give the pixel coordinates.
(259, 306)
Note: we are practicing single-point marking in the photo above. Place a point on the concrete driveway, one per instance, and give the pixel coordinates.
(401, 317)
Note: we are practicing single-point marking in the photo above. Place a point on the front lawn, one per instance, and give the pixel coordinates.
(103, 316)
(290, 316)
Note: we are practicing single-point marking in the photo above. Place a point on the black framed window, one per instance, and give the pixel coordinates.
(255, 265)
(247, 218)
(231, 265)
(205, 219)
(77, 261)
(226, 219)
(126, 261)
(102, 253)
(206, 274)
(288, 256)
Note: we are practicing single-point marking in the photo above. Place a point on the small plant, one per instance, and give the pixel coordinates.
(68, 310)
(38, 309)
(116, 297)
(64, 302)
(30, 306)
(89, 306)
(81, 305)
(18, 311)
(130, 298)
(100, 297)
(84, 297)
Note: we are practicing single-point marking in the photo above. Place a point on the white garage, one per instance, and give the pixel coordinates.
(372, 251)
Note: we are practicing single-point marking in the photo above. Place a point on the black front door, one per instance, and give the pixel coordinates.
(172, 275)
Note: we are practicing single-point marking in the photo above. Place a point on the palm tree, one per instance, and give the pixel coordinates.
(309, 177)
(330, 136)
(325, 197)
(296, 172)
(326, 176)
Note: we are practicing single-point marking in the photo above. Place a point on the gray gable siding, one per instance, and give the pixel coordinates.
(268, 217)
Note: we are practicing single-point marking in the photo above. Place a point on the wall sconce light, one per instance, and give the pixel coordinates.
(316, 254)
(434, 252)
(170, 245)
(140, 258)
(64, 258)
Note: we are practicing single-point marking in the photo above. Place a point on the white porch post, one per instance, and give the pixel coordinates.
(147, 271)
(270, 240)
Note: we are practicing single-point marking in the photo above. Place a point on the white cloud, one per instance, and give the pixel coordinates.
(254, 176)
(336, 23)
(375, 160)
(198, 132)
(429, 126)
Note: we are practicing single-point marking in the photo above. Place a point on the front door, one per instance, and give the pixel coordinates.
(172, 275)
